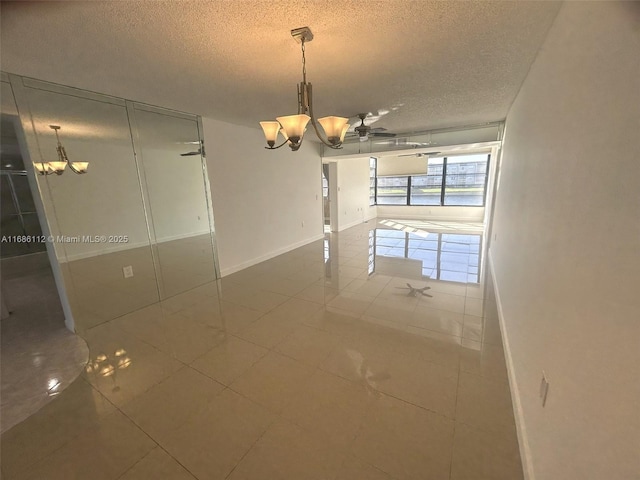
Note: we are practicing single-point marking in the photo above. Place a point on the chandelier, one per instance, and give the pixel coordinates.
(292, 127)
(57, 167)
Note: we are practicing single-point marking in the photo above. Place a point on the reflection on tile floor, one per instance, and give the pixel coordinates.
(304, 366)
(39, 356)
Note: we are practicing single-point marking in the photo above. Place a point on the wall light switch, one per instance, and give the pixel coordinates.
(127, 271)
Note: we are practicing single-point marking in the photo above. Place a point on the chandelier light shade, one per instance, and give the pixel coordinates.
(79, 167)
(344, 132)
(271, 130)
(58, 167)
(42, 168)
(333, 128)
(293, 127)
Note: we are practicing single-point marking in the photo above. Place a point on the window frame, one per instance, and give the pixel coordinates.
(373, 163)
(443, 186)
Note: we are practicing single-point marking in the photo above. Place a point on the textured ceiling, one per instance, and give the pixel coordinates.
(429, 64)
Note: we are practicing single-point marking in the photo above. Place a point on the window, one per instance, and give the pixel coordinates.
(373, 173)
(392, 190)
(450, 181)
(466, 180)
(325, 186)
(427, 189)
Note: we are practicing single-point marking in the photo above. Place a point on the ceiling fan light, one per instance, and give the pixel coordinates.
(270, 130)
(57, 167)
(294, 125)
(333, 127)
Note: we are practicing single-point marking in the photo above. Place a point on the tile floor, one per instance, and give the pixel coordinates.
(316, 364)
(39, 357)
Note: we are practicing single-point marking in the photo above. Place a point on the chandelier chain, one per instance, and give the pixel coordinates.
(304, 64)
(293, 127)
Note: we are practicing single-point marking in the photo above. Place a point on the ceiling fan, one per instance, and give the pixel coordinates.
(363, 131)
(200, 150)
(414, 291)
(430, 154)
(405, 142)
(195, 152)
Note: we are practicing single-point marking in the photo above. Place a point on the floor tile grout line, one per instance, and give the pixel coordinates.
(157, 443)
(136, 463)
(248, 450)
(139, 427)
(455, 416)
(93, 426)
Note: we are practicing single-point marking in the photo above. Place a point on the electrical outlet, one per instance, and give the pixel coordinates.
(127, 271)
(495, 237)
(544, 388)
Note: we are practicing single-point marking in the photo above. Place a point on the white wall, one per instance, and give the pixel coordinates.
(567, 254)
(353, 193)
(265, 202)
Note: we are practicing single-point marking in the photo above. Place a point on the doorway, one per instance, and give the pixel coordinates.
(326, 201)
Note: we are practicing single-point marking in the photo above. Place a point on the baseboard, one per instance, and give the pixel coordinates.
(118, 247)
(351, 224)
(523, 442)
(254, 261)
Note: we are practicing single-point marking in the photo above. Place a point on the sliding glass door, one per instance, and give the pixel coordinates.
(137, 226)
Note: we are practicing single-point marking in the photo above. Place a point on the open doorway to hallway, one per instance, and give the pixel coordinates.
(326, 205)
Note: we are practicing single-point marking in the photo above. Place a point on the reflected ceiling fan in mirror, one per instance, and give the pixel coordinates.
(405, 142)
(430, 154)
(200, 150)
(364, 131)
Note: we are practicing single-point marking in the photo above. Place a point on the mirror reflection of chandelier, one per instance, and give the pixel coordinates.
(57, 167)
(292, 127)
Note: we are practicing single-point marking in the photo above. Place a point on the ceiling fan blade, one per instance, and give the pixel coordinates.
(429, 154)
(382, 134)
(188, 154)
